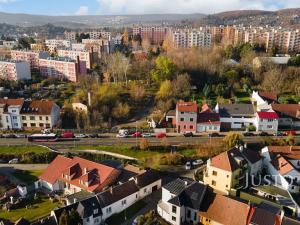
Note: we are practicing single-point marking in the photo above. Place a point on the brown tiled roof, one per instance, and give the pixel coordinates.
(289, 221)
(259, 216)
(289, 152)
(226, 161)
(213, 118)
(224, 210)
(291, 110)
(281, 164)
(187, 107)
(269, 96)
(38, 107)
(10, 102)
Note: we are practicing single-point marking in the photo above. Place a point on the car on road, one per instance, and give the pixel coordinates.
(214, 135)
(121, 136)
(21, 135)
(263, 134)
(188, 166)
(13, 161)
(197, 162)
(279, 134)
(248, 134)
(146, 135)
(188, 134)
(137, 134)
(290, 132)
(161, 135)
(93, 136)
(81, 136)
(67, 134)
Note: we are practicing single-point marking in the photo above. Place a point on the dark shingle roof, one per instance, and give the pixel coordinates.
(46, 221)
(289, 221)
(79, 196)
(177, 186)
(117, 193)
(251, 155)
(263, 217)
(236, 110)
(144, 179)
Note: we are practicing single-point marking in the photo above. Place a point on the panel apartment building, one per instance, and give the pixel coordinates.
(14, 70)
(32, 57)
(85, 56)
(155, 34)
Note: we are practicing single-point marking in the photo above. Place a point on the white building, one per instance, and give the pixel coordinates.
(266, 121)
(10, 113)
(15, 70)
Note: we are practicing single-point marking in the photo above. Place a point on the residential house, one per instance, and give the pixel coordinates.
(40, 114)
(181, 201)
(229, 169)
(289, 115)
(283, 164)
(263, 100)
(10, 113)
(77, 174)
(208, 120)
(186, 117)
(266, 121)
(236, 116)
(260, 216)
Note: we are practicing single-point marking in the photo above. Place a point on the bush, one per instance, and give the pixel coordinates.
(251, 128)
(171, 159)
(233, 139)
(144, 144)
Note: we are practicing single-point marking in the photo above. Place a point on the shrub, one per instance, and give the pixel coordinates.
(251, 128)
(144, 144)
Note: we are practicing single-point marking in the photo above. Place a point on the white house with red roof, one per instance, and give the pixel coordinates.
(77, 174)
(266, 121)
(10, 113)
(208, 120)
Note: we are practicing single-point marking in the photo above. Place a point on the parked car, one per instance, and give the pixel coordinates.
(21, 135)
(67, 134)
(188, 134)
(93, 136)
(146, 135)
(13, 161)
(161, 135)
(279, 134)
(137, 134)
(263, 134)
(197, 162)
(121, 136)
(188, 166)
(290, 132)
(214, 135)
(10, 136)
(124, 132)
(248, 134)
(81, 136)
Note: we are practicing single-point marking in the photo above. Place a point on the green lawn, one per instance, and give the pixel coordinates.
(40, 208)
(139, 154)
(27, 176)
(130, 212)
(21, 149)
(243, 96)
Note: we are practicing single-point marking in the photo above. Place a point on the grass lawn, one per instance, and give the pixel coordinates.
(139, 154)
(130, 212)
(27, 176)
(21, 149)
(40, 208)
(243, 96)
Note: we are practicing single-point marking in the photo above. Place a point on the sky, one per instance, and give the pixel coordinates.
(122, 7)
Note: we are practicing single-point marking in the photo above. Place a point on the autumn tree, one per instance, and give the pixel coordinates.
(232, 139)
(164, 69)
(137, 92)
(144, 144)
(165, 91)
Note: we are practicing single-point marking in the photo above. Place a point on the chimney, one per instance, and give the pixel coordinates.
(75, 200)
(89, 99)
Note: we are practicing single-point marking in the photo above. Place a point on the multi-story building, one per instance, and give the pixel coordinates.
(228, 170)
(14, 70)
(39, 114)
(102, 46)
(54, 44)
(100, 34)
(84, 56)
(156, 34)
(190, 38)
(62, 68)
(8, 44)
(186, 117)
(31, 57)
(71, 36)
(10, 113)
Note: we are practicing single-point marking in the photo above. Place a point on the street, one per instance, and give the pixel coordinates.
(107, 141)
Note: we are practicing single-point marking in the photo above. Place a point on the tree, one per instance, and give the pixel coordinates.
(165, 90)
(121, 110)
(181, 86)
(144, 144)
(137, 92)
(164, 69)
(64, 218)
(74, 218)
(232, 139)
(273, 80)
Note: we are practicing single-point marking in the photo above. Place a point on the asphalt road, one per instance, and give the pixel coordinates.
(107, 141)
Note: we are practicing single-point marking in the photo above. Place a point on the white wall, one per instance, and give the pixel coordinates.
(236, 123)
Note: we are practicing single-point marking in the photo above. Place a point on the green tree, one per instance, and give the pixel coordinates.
(182, 86)
(232, 139)
(165, 91)
(164, 69)
(74, 218)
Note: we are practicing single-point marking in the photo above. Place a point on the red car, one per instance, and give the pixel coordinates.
(161, 135)
(137, 135)
(290, 132)
(68, 134)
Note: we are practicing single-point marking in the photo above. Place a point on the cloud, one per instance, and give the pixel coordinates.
(83, 10)
(189, 6)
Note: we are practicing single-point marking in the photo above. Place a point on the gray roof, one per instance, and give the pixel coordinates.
(177, 186)
(228, 110)
(79, 196)
(278, 60)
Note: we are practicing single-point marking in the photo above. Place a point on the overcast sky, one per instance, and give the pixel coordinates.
(108, 7)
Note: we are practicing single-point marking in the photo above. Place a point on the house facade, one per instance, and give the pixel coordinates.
(10, 113)
(186, 117)
(14, 70)
(266, 121)
(289, 115)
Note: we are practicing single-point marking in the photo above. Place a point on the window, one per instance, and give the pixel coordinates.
(195, 216)
(270, 127)
(174, 209)
(191, 127)
(16, 124)
(23, 117)
(188, 215)
(215, 173)
(41, 125)
(32, 124)
(191, 119)
(14, 111)
(32, 118)
(136, 196)
(24, 124)
(41, 118)
(213, 182)
(108, 210)
(7, 119)
(173, 218)
(123, 202)
(14, 117)
(226, 185)
(145, 190)
(181, 119)
(88, 219)
(227, 176)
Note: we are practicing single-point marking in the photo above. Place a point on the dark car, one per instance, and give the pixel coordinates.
(188, 134)
(263, 134)
(214, 135)
(248, 134)
(279, 134)
(93, 136)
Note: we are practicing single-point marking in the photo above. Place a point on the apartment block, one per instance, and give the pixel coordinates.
(32, 57)
(84, 56)
(14, 70)
(155, 34)
(62, 68)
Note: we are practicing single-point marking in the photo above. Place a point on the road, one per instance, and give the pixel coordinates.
(107, 141)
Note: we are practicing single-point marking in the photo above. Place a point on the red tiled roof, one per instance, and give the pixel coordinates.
(187, 107)
(206, 109)
(289, 152)
(80, 170)
(268, 96)
(292, 110)
(226, 161)
(38, 107)
(282, 165)
(10, 102)
(267, 115)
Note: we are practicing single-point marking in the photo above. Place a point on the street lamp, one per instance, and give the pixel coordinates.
(125, 217)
